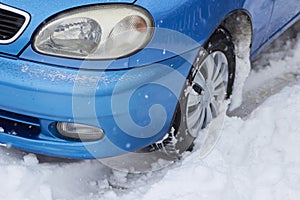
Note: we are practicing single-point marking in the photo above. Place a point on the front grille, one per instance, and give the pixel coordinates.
(19, 125)
(12, 23)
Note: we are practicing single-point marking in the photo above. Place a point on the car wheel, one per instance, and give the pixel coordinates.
(208, 86)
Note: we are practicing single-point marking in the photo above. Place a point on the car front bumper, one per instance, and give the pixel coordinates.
(134, 107)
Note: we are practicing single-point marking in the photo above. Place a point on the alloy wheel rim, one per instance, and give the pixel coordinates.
(207, 92)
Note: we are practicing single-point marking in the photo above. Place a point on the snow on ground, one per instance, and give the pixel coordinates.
(256, 158)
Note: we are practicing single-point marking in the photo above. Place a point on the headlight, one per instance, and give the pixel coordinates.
(95, 32)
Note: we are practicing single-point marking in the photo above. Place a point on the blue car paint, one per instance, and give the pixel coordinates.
(25, 90)
(260, 27)
(46, 87)
(285, 11)
(195, 22)
(184, 22)
(276, 33)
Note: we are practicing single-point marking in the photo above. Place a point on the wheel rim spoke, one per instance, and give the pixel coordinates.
(221, 66)
(209, 68)
(208, 115)
(194, 116)
(197, 126)
(203, 105)
(202, 118)
(214, 108)
(194, 99)
(219, 92)
(199, 79)
(218, 82)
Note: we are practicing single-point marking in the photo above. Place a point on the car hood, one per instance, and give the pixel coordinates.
(39, 11)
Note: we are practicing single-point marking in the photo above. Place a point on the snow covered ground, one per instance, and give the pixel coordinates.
(256, 158)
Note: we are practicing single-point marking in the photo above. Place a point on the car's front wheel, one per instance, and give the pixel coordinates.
(204, 96)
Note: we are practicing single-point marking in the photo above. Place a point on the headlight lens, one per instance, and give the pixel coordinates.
(96, 32)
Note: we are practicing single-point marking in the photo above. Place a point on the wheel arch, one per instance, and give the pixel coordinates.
(239, 25)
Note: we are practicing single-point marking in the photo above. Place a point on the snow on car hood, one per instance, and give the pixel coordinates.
(39, 12)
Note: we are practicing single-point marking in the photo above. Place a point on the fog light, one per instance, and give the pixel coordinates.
(79, 131)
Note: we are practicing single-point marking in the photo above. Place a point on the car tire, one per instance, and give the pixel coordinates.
(214, 62)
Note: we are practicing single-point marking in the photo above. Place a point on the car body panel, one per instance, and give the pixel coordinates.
(190, 21)
(193, 18)
(284, 12)
(190, 24)
(53, 94)
(277, 33)
(258, 11)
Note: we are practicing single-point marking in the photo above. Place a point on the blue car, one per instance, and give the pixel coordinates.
(101, 78)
